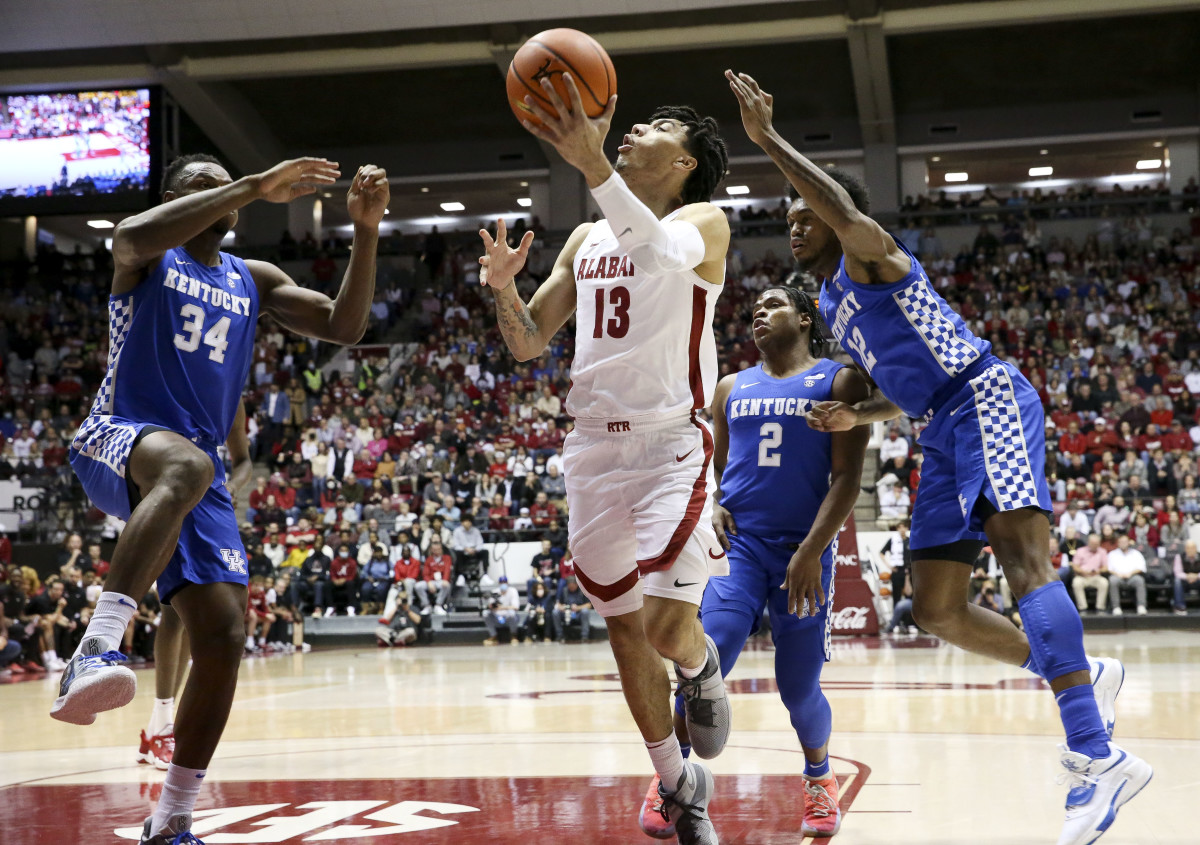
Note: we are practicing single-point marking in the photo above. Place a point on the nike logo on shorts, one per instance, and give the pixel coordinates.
(680, 460)
(963, 405)
(716, 557)
(628, 229)
(686, 583)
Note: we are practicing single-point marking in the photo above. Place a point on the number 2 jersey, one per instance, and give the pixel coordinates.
(180, 347)
(904, 336)
(644, 343)
(777, 471)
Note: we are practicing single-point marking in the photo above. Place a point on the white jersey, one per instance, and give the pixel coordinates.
(644, 344)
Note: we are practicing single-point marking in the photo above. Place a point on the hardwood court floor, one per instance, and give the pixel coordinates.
(532, 744)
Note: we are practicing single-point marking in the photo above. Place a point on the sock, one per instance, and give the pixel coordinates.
(685, 750)
(691, 673)
(1081, 719)
(180, 791)
(817, 771)
(161, 717)
(112, 616)
(668, 760)
(1030, 665)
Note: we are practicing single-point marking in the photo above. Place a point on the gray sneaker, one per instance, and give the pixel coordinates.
(687, 806)
(706, 706)
(177, 832)
(94, 681)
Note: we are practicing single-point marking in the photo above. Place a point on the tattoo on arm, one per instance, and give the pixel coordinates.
(515, 321)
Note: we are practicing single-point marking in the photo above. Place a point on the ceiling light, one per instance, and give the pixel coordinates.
(1149, 164)
(387, 211)
(424, 190)
(1157, 144)
(1041, 171)
(327, 195)
(453, 206)
(1044, 152)
(737, 190)
(956, 177)
(524, 202)
(524, 184)
(936, 158)
(101, 224)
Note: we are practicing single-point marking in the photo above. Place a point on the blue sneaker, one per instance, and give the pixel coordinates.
(1099, 788)
(1108, 675)
(94, 681)
(177, 832)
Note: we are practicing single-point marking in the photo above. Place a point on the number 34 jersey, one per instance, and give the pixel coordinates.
(644, 343)
(180, 347)
(777, 471)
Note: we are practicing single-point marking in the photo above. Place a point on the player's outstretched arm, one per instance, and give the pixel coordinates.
(835, 415)
(863, 240)
(803, 580)
(343, 319)
(527, 329)
(723, 523)
(140, 240)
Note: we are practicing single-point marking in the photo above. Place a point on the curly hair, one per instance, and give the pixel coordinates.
(174, 170)
(804, 304)
(854, 186)
(705, 144)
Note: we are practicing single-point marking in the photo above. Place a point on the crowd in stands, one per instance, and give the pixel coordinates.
(422, 453)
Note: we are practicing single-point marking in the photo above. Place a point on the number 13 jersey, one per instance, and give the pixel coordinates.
(644, 343)
(180, 347)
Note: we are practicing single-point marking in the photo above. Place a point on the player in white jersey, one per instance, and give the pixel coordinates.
(642, 284)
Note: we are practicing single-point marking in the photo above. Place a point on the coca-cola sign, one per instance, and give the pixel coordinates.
(854, 607)
(851, 619)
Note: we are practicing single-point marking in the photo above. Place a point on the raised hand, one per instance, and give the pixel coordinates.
(368, 196)
(296, 178)
(500, 262)
(578, 138)
(755, 105)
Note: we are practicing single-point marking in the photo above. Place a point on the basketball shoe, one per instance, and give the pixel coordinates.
(822, 814)
(1098, 788)
(159, 749)
(94, 681)
(687, 806)
(706, 706)
(654, 820)
(1108, 674)
(177, 832)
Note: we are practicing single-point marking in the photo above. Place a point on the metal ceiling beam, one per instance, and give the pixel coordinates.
(872, 81)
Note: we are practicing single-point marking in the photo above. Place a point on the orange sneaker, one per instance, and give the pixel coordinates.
(162, 749)
(822, 815)
(654, 820)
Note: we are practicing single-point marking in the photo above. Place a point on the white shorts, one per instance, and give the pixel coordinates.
(640, 510)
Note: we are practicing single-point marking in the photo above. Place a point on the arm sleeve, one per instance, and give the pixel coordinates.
(654, 246)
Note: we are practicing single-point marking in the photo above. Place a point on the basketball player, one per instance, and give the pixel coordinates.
(171, 649)
(983, 478)
(182, 317)
(642, 284)
(784, 492)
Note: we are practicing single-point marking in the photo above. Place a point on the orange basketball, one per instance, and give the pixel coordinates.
(551, 54)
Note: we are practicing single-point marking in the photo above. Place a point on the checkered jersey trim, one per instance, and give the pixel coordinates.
(919, 306)
(1005, 454)
(120, 317)
(103, 440)
(829, 603)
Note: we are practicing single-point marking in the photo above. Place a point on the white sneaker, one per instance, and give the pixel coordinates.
(56, 665)
(687, 806)
(1098, 788)
(425, 611)
(329, 611)
(93, 681)
(1117, 611)
(1108, 674)
(350, 611)
(438, 610)
(1142, 610)
(305, 648)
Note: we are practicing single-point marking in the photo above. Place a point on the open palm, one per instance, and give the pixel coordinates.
(500, 262)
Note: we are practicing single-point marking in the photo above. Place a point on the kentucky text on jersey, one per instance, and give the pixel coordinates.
(206, 293)
(611, 267)
(790, 406)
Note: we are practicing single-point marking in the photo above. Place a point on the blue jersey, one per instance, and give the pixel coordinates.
(904, 336)
(777, 472)
(181, 345)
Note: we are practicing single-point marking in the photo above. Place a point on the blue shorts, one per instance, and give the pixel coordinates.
(988, 440)
(756, 569)
(210, 547)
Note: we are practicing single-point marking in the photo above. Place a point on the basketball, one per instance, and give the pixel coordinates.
(551, 54)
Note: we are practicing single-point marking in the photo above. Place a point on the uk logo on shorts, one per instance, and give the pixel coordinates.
(233, 557)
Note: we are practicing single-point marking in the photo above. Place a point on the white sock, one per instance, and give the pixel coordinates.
(161, 717)
(180, 791)
(668, 760)
(112, 616)
(691, 673)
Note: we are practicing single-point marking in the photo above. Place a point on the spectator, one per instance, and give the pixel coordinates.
(469, 549)
(572, 609)
(376, 579)
(313, 583)
(1074, 518)
(343, 583)
(504, 608)
(399, 622)
(1127, 568)
(435, 577)
(894, 446)
(1090, 566)
(1115, 515)
(539, 621)
(1187, 576)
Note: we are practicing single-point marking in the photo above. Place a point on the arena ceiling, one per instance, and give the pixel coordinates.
(417, 86)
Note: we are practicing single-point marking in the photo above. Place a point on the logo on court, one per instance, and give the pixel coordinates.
(233, 559)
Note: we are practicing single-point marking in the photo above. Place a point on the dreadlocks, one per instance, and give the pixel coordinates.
(705, 144)
(804, 304)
